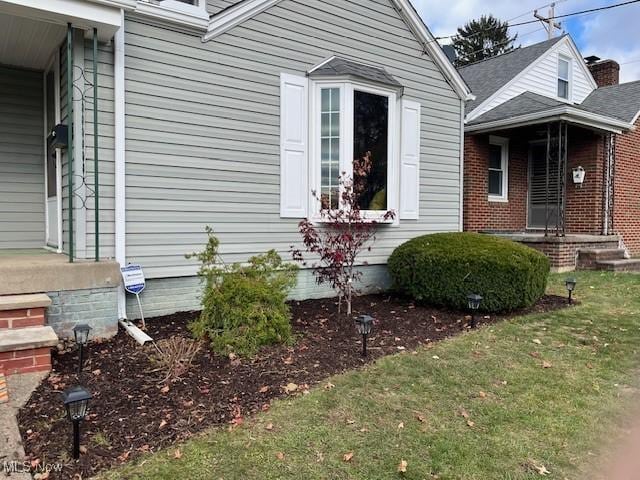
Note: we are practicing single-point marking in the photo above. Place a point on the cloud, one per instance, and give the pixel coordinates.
(608, 34)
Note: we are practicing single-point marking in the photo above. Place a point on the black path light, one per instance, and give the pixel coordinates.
(474, 300)
(364, 324)
(571, 286)
(81, 335)
(76, 402)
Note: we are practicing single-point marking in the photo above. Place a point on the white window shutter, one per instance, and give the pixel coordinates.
(410, 161)
(294, 148)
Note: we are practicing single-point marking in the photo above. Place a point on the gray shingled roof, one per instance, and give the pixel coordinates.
(488, 76)
(341, 66)
(523, 104)
(618, 101)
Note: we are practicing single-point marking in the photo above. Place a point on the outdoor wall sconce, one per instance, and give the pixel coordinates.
(578, 176)
(76, 403)
(81, 335)
(364, 324)
(59, 137)
(474, 300)
(571, 286)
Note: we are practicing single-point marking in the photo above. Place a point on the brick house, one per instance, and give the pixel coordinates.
(551, 155)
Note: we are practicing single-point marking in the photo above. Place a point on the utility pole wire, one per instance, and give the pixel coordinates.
(528, 22)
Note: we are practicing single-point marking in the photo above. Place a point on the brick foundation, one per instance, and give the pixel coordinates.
(21, 318)
(563, 254)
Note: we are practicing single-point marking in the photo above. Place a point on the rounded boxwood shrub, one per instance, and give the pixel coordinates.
(443, 268)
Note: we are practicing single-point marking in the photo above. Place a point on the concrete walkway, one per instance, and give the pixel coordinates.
(20, 388)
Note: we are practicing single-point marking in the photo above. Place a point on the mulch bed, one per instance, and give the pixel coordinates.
(132, 412)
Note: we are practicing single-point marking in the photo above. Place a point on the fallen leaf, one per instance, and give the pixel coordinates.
(400, 425)
(482, 394)
(329, 386)
(546, 364)
(436, 357)
(269, 426)
(163, 423)
(589, 366)
(264, 389)
(280, 456)
(347, 456)
(421, 418)
(288, 360)
(535, 354)
(537, 341)
(83, 449)
(464, 413)
(402, 467)
(290, 388)
(165, 389)
(41, 476)
(471, 423)
(97, 372)
(177, 454)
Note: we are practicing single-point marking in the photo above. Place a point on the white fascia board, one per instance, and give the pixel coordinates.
(473, 115)
(124, 4)
(82, 14)
(580, 61)
(236, 15)
(567, 113)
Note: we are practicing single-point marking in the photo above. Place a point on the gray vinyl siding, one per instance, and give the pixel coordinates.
(215, 6)
(203, 139)
(106, 165)
(22, 213)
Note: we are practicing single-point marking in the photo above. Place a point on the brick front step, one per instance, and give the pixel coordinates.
(626, 265)
(21, 311)
(26, 349)
(588, 258)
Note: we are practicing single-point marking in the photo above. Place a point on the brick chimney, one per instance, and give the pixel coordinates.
(605, 72)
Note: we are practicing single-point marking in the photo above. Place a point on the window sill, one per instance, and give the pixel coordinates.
(498, 200)
(369, 218)
(194, 17)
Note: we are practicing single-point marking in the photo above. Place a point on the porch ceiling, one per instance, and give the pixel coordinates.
(28, 43)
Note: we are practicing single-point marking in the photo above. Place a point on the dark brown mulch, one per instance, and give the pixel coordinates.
(132, 413)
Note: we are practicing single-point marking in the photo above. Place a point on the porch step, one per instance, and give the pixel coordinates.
(624, 265)
(588, 258)
(21, 311)
(25, 350)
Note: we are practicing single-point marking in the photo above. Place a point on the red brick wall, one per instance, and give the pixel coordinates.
(481, 214)
(626, 218)
(585, 204)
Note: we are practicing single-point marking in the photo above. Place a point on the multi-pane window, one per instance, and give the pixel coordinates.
(354, 142)
(563, 78)
(329, 146)
(497, 173)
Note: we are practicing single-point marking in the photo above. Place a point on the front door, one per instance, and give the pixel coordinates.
(543, 201)
(52, 160)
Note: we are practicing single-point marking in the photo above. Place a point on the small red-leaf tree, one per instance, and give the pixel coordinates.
(338, 236)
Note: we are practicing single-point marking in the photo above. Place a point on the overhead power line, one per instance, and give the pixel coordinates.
(572, 14)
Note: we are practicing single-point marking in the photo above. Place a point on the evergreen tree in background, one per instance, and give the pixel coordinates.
(482, 38)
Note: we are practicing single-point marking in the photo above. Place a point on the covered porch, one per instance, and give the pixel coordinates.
(544, 178)
(49, 194)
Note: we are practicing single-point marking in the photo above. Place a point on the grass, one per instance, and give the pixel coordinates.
(478, 406)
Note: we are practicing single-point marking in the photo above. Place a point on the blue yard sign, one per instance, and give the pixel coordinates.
(133, 278)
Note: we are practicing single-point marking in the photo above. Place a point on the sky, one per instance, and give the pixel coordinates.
(609, 33)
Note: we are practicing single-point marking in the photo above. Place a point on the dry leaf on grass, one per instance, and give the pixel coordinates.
(402, 467)
(347, 456)
(177, 454)
(537, 341)
(280, 456)
(329, 386)
(269, 426)
(290, 387)
(400, 425)
(546, 364)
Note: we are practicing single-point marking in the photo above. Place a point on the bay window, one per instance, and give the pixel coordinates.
(352, 128)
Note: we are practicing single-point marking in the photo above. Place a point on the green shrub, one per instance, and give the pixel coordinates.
(442, 269)
(243, 306)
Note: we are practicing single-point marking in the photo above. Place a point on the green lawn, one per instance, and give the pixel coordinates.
(478, 406)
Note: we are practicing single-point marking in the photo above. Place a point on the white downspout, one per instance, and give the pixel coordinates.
(120, 194)
(462, 115)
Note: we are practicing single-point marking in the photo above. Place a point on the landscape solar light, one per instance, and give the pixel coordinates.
(474, 300)
(81, 335)
(364, 324)
(571, 286)
(76, 403)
